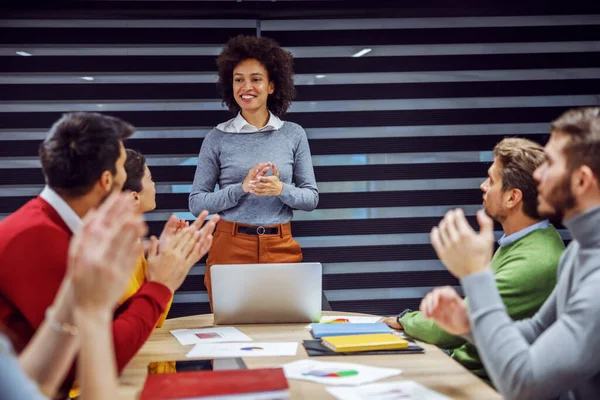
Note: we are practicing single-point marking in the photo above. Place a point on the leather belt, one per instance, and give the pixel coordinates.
(257, 230)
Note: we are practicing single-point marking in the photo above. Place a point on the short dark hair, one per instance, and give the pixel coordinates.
(519, 158)
(277, 61)
(79, 148)
(582, 125)
(135, 166)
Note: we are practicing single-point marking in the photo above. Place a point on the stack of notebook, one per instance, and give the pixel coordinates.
(351, 338)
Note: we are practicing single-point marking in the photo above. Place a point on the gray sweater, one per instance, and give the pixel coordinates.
(557, 352)
(225, 159)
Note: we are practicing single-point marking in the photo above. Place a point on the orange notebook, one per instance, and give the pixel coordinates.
(230, 384)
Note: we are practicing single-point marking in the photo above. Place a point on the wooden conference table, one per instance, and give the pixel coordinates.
(433, 369)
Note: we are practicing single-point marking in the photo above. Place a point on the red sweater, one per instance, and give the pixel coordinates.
(34, 243)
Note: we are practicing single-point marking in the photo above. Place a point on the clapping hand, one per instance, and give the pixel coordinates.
(447, 309)
(254, 174)
(267, 185)
(179, 251)
(462, 250)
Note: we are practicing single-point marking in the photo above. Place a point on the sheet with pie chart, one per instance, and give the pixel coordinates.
(253, 349)
(337, 373)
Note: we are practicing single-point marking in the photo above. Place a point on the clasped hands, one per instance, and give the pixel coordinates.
(260, 185)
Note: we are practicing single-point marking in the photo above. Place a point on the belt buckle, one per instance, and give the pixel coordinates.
(260, 230)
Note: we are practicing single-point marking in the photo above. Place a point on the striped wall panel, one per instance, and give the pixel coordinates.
(398, 135)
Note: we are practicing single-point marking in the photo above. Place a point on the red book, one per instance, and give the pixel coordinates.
(267, 383)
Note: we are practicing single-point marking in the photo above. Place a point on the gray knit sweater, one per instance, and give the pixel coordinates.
(557, 352)
(225, 159)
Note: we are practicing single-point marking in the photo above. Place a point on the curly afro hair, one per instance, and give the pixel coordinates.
(277, 62)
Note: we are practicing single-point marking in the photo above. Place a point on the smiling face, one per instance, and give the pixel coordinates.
(251, 85)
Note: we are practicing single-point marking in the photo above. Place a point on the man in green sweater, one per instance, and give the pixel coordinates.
(524, 265)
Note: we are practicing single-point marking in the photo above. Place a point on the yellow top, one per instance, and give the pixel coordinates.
(370, 342)
(136, 282)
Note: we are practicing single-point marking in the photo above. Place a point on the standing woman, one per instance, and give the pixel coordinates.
(262, 164)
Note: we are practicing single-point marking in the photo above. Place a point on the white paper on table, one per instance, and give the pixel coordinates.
(409, 390)
(254, 349)
(351, 320)
(347, 373)
(210, 335)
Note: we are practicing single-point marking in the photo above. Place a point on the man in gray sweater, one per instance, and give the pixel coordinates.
(555, 354)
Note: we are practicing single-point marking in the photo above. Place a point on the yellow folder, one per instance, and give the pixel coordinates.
(371, 342)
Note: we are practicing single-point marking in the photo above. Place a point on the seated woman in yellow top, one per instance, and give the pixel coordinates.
(139, 182)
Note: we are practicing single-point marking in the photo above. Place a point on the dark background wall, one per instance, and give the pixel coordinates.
(398, 135)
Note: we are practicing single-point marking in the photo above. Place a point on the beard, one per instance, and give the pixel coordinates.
(561, 199)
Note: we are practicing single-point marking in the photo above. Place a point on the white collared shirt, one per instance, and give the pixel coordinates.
(240, 125)
(62, 208)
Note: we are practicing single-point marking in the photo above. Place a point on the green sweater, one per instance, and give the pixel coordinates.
(525, 274)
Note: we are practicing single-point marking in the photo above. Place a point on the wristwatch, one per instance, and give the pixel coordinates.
(402, 314)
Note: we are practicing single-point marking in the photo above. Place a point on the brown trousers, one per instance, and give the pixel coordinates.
(231, 247)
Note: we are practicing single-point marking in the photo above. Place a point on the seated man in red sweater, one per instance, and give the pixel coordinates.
(83, 162)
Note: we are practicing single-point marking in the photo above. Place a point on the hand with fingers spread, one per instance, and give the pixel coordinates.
(178, 252)
(103, 254)
(254, 174)
(447, 309)
(268, 185)
(462, 250)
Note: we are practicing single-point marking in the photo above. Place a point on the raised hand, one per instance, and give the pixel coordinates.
(268, 185)
(171, 263)
(462, 250)
(447, 309)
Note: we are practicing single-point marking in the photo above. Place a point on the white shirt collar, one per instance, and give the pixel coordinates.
(240, 125)
(62, 208)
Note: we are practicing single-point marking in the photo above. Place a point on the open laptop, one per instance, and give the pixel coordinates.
(266, 293)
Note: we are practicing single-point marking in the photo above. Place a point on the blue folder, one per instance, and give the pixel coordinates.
(322, 330)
